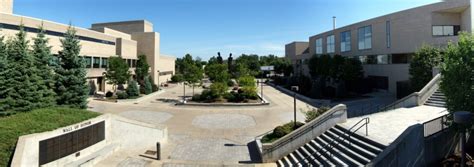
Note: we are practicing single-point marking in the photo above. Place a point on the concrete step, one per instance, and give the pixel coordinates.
(437, 98)
(346, 158)
(324, 160)
(326, 152)
(354, 155)
(357, 140)
(377, 145)
(309, 158)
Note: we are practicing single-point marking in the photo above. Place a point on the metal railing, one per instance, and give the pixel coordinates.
(436, 125)
(346, 135)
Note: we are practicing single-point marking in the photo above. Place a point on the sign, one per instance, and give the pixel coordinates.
(266, 68)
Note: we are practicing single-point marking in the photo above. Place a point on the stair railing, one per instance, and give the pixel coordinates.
(345, 135)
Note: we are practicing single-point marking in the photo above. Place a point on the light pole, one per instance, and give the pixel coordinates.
(184, 92)
(294, 89)
(261, 90)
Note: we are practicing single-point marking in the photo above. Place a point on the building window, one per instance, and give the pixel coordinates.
(319, 46)
(105, 62)
(96, 62)
(88, 61)
(129, 62)
(363, 59)
(387, 29)
(446, 30)
(346, 41)
(134, 63)
(330, 44)
(365, 37)
(383, 59)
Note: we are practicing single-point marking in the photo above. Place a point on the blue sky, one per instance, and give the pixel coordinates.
(205, 27)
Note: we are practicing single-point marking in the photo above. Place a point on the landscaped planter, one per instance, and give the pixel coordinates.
(262, 102)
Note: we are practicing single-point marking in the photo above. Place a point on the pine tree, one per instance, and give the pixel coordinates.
(141, 71)
(21, 80)
(132, 89)
(3, 71)
(43, 58)
(71, 84)
(148, 86)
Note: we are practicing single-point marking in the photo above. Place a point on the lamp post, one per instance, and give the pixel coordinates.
(261, 89)
(184, 92)
(294, 89)
(463, 118)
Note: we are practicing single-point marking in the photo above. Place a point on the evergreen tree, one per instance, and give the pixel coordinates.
(148, 86)
(21, 80)
(117, 73)
(142, 69)
(3, 71)
(43, 57)
(132, 89)
(71, 85)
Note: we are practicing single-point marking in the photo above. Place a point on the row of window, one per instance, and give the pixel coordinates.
(53, 33)
(375, 59)
(364, 38)
(102, 62)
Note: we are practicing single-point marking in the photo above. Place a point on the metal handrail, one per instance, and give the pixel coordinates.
(348, 135)
(443, 124)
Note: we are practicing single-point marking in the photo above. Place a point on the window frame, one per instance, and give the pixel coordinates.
(364, 37)
(319, 46)
(330, 44)
(346, 45)
(94, 65)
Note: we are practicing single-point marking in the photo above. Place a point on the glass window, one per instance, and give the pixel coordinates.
(445, 30)
(319, 46)
(383, 59)
(96, 62)
(134, 63)
(105, 62)
(330, 44)
(388, 42)
(365, 37)
(363, 59)
(346, 41)
(88, 61)
(372, 59)
(129, 62)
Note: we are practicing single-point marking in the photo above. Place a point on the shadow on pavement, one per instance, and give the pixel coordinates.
(254, 154)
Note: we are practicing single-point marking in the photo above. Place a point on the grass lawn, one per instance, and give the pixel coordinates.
(36, 121)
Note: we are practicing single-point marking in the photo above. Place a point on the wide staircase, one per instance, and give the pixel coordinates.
(437, 99)
(335, 147)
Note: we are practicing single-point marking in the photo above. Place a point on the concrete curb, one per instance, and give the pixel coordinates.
(265, 102)
(310, 101)
(140, 98)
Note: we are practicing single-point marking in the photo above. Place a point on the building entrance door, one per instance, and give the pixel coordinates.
(100, 84)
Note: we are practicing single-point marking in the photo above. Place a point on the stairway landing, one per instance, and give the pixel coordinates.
(385, 127)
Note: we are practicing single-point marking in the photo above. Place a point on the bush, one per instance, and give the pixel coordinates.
(148, 87)
(247, 81)
(314, 113)
(155, 88)
(457, 75)
(281, 131)
(109, 94)
(249, 92)
(218, 89)
(421, 66)
(122, 95)
(177, 78)
(230, 83)
(132, 89)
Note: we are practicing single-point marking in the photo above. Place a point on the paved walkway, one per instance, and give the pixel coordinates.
(385, 127)
(210, 135)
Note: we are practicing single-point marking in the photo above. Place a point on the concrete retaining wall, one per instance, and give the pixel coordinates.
(411, 148)
(119, 133)
(319, 102)
(271, 152)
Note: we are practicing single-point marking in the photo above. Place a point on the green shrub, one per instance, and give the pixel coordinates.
(148, 87)
(132, 89)
(281, 131)
(421, 66)
(177, 78)
(109, 94)
(218, 89)
(314, 113)
(122, 95)
(36, 121)
(457, 75)
(249, 92)
(247, 81)
(155, 88)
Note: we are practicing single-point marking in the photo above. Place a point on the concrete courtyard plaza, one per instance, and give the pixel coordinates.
(201, 135)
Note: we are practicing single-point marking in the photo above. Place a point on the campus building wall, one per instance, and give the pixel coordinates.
(395, 37)
(166, 67)
(6, 6)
